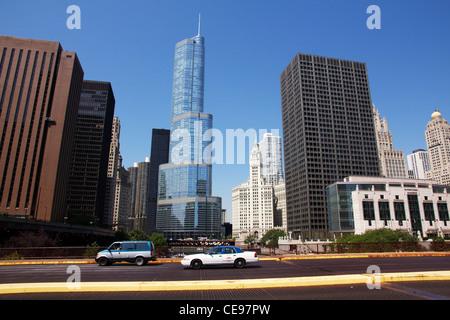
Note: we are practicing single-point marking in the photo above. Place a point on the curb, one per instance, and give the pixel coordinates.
(70, 287)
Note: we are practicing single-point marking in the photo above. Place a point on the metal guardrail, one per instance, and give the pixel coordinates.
(368, 247)
(89, 252)
(49, 253)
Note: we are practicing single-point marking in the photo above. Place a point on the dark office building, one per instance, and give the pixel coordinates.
(328, 134)
(159, 155)
(40, 87)
(141, 195)
(87, 179)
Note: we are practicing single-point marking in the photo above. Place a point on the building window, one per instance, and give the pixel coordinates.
(385, 214)
(429, 212)
(414, 213)
(368, 211)
(399, 209)
(443, 212)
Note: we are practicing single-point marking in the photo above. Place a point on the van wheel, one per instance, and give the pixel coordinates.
(239, 263)
(103, 261)
(140, 261)
(196, 264)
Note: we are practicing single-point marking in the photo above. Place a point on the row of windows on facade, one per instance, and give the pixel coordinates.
(40, 119)
(400, 213)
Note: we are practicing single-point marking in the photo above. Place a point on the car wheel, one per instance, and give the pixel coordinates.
(196, 264)
(102, 261)
(140, 261)
(239, 263)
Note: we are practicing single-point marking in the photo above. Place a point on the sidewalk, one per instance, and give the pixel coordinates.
(261, 258)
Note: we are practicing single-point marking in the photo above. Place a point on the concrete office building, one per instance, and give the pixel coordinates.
(360, 204)
(419, 163)
(258, 206)
(88, 171)
(438, 144)
(40, 86)
(328, 134)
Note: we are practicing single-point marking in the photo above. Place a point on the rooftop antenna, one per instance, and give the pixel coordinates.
(199, 24)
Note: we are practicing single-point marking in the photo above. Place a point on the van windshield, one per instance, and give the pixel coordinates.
(115, 246)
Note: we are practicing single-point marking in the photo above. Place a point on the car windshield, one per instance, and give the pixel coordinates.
(216, 250)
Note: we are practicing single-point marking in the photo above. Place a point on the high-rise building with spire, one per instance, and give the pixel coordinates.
(185, 207)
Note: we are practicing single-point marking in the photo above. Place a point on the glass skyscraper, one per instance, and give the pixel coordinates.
(185, 206)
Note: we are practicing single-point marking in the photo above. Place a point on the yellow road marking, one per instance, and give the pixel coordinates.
(221, 284)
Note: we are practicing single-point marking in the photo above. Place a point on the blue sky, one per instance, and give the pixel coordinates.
(248, 44)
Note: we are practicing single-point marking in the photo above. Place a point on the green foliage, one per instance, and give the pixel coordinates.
(91, 250)
(271, 237)
(158, 240)
(378, 235)
(121, 236)
(13, 256)
(25, 239)
(379, 240)
(250, 239)
(138, 235)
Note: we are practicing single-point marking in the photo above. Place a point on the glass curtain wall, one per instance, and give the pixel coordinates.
(185, 205)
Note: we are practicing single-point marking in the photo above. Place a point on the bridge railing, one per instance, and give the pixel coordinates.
(89, 252)
(180, 251)
(368, 247)
(49, 253)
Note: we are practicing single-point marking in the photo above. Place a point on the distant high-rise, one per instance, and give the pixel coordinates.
(110, 220)
(141, 194)
(259, 203)
(159, 155)
(328, 134)
(271, 160)
(122, 201)
(88, 171)
(185, 206)
(40, 86)
(419, 163)
(438, 144)
(133, 183)
(392, 162)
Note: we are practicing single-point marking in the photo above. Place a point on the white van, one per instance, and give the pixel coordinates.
(139, 252)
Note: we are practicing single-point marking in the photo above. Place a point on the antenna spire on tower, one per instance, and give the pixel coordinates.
(199, 24)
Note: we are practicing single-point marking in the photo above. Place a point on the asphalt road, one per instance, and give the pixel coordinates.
(176, 272)
(426, 290)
